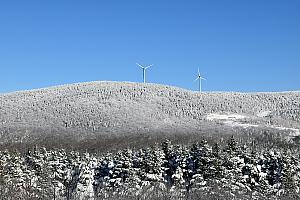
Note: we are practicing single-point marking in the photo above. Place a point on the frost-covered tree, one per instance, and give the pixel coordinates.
(232, 170)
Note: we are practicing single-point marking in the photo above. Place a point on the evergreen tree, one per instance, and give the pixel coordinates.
(170, 163)
(232, 145)
(216, 161)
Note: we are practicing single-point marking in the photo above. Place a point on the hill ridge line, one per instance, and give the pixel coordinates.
(61, 86)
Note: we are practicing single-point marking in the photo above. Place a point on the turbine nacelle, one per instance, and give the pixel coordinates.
(143, 66)
(200, 78)
(144, 71)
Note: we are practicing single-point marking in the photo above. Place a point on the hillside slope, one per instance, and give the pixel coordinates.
(86, 110)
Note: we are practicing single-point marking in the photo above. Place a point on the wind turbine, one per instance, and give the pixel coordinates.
(144, 71)
(200, 78)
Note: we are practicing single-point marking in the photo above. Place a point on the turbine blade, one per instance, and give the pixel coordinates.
(202, 78)
(198, 71)
(196, 79)
(148, 66)
(139, 65)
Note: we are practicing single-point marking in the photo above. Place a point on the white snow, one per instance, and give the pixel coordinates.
(264, 113)
(230, 119)
(233, 121)
(235, 124)
(214, 116)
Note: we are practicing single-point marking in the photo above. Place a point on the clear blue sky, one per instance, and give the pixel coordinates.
(239, 45)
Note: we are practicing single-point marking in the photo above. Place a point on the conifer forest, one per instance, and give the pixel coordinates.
(202, 170)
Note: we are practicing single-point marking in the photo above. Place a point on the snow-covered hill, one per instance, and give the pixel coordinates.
(87, 110)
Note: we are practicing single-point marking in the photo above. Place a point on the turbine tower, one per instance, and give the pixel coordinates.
(200, 78)
(144, 71)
